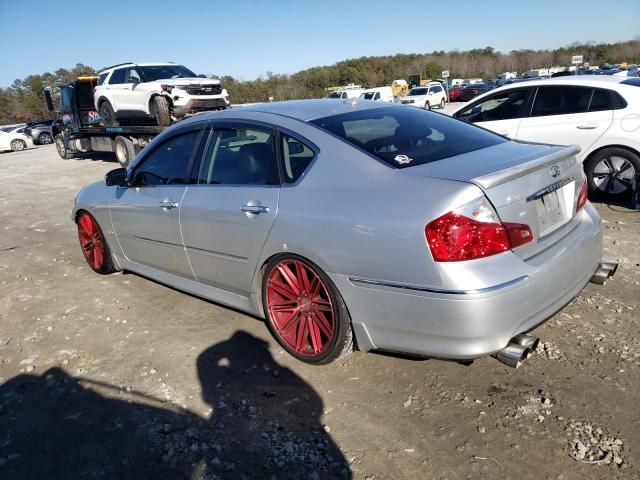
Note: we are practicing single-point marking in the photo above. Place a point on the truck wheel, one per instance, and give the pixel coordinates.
(161, 111)
(63, 151)
(125, 151)
(107, 115)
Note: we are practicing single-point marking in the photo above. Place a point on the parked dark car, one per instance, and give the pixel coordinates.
(472, 91)
(40, 132)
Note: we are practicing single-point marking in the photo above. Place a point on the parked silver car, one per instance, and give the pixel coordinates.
(40, 132)
(394, 227)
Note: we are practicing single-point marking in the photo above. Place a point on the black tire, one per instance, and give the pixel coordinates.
(341, 344)
(45, 138)
(610, 172)
(107, 115)
(17, 145)
(442, 104)
(106, 267)
(61, 147)
(161, 111)
(427, 106)
(125, 150)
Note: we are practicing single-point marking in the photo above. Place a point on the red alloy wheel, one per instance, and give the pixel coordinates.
(300, 308)
(91, 241)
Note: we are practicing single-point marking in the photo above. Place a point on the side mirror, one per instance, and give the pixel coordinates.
(48, 99)
(117, 177)
(295, 148)
(202, 75)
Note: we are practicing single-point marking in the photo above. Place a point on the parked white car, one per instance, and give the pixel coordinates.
(599, 113)
(164, 91)
(427, 96)
(382, 94)
(346, 93)
(14, 139)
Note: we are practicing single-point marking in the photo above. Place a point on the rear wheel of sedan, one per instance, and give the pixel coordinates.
(107, 115)
(442, 104)
(304, 311)
(610, 172)
(45, 138)
(17, 145)
(93, 244)
(161, 111)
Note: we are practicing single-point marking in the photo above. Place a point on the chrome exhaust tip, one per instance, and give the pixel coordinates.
(513, 355)
(604, 272)
(528, 341)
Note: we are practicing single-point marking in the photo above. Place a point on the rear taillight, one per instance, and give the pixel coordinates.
(582, 196)
(473, 231)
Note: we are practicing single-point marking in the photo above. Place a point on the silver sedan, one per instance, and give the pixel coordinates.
(349, 224)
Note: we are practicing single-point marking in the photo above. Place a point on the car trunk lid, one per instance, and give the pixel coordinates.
(528, 183)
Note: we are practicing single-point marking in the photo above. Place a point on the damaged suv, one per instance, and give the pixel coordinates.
(163, 92)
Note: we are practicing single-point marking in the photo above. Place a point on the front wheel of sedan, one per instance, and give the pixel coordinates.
(304, 311)
(610, 172)
(17, 145)
(94, 246)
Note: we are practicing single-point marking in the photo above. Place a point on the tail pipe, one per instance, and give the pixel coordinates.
(604, 272)
(519, 349)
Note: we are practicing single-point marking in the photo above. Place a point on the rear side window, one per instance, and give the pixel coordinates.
(606, 100)
(296, 157)
(117, 77)
(102, 77)
(503, 106)
(403, 137)
(557, 100)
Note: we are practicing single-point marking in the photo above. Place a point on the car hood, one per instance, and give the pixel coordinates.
(187, 81)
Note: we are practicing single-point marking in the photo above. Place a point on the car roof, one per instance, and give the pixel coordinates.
(307, 110)
(584, 80)
(131, 64)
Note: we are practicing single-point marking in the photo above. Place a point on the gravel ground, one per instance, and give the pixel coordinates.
(121, 377)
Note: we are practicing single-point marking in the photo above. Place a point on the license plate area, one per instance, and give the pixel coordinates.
(555, 208)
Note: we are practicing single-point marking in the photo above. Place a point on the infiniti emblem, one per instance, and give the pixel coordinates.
(555, 171)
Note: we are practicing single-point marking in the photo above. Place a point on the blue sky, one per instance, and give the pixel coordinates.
(247, 38)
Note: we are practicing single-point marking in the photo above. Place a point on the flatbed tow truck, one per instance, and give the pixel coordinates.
(78, 130)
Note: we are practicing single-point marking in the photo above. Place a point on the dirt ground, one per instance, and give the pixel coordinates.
(121, 377)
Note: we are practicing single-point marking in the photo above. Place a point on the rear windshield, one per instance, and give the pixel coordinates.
(405, 136)
(635, 81)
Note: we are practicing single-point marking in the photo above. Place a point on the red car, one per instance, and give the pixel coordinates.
(454, 93)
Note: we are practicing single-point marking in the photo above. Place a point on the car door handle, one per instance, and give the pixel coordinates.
(587, 127)
(255, 209)
(168, 204)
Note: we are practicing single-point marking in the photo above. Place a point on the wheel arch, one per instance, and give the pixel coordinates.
(604, 147)
(158, 94)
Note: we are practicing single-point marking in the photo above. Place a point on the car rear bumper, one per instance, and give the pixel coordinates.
(471, 324)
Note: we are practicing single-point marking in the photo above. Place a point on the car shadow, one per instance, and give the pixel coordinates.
(108, 157)
(265, 423)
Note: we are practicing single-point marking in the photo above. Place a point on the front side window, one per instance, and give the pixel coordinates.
(404, 137)
(133, 76)
(505, 106)
(239, 156)
(117, 77)
(558, 100)
(169, 163)
(296, 157)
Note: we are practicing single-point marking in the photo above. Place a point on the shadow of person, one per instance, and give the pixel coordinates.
(54, 426)
(266, 419)
(265, 424)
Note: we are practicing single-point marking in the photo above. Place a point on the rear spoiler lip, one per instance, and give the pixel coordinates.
(502, 176)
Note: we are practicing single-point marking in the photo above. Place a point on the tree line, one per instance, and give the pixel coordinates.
(23, 100)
